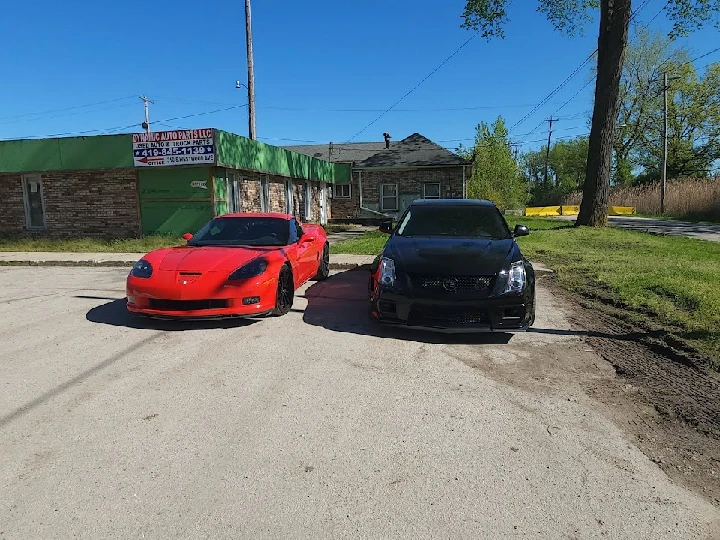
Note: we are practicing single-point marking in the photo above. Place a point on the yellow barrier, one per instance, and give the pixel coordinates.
(621, 210)
(543, 211)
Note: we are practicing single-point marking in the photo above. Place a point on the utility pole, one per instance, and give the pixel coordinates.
(251, 72)
(547, 152)
(663, 172)
(146, 123)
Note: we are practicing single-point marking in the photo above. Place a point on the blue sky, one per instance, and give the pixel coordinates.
(324, 70)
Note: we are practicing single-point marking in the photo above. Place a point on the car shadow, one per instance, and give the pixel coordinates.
(116, 314)
(340, 304)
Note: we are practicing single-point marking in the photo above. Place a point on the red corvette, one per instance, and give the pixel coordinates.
(238, 265)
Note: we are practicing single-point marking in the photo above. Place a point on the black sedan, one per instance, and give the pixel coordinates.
(453, 265)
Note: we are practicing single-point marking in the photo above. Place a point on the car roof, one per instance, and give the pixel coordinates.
(276, 215)
(452, 202)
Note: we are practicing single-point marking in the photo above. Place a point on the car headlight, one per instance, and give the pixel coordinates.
(516, 277)
(387, 272)
(142, 269)
(250, 270)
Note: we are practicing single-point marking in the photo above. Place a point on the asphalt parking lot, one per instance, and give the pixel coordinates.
(313, 425)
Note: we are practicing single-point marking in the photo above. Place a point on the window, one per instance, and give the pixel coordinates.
(264, 194)
(431, 191)
(342, 191)
(34, 203)
(466, 221)
(296, 231)
(389, 197)
(308, 201)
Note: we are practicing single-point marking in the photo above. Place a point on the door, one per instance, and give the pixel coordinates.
(264, 194)
(307, 253)
(233, 192)
(323, 203)
(289, 203)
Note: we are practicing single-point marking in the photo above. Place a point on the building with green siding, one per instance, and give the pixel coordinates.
(160, 183)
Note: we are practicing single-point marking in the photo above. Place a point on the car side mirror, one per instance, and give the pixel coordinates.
(521, 230)
(386, 227)
(187, 236)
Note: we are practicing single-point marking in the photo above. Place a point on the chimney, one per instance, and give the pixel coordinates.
(387, 140)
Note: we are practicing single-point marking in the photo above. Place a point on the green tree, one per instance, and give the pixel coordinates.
(693, 124)
(489, 16)
(495, 174)
(640, 98)
(566, 170)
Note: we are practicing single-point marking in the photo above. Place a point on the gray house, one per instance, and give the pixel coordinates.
(388, 176)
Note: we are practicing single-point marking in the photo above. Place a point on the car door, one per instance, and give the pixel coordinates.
(306, 253)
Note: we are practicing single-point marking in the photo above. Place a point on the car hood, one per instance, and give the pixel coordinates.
(449, 256)
(203, 259)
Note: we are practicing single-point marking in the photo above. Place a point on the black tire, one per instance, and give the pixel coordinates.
(285, 292)
(324, 269)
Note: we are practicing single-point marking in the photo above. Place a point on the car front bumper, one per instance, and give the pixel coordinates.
(506, 313)
(164, 299)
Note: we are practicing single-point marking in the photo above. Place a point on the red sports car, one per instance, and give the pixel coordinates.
(238, 265)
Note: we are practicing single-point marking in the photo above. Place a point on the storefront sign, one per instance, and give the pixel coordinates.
(180, 147)
(202, 184)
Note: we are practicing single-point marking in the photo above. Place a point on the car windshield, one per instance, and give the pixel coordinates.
(243, 231)
(454, 220)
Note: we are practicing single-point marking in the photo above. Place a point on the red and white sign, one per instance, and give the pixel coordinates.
(178, 147)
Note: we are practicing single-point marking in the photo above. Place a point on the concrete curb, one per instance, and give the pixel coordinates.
(540, 269)
(129, 264)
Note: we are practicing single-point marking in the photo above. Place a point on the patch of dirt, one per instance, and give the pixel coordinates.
(665, 395)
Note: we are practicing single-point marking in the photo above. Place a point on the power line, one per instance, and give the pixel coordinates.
(76, 113)
(701, 57)
(52, 111)
(416, 86)
(568, 78)
(120, 128)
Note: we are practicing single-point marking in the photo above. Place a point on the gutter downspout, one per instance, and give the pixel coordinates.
(361, 199)
(464, 190)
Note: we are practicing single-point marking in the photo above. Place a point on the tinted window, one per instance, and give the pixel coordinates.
(243, 231)
(464, 221)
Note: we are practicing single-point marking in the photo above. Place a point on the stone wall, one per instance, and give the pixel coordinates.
(98, 203)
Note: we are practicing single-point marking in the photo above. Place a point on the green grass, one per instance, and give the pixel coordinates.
(89, 245)
(669, 282)
(371, 243)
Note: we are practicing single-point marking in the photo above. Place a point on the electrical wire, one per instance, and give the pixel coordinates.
(121, 128)
(66, 108)
(415, 87)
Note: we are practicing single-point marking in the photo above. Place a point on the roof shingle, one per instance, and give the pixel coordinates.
(413, 151)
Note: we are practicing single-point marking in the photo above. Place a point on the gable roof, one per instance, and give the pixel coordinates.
(341, 152)
(413, 151)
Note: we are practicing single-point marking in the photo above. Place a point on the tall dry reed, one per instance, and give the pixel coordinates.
(697, 198)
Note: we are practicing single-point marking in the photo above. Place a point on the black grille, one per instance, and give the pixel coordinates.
(447, 316)
(187, 305)
(452, 284)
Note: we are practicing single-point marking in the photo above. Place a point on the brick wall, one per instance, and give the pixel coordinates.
(77, 203)
(251, 190)
(12, 209)
(410, 183)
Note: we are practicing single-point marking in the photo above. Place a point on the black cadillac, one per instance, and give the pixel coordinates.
(453, 265)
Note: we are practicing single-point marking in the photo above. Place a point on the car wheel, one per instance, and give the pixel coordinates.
(324, 268)
(285, 292)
